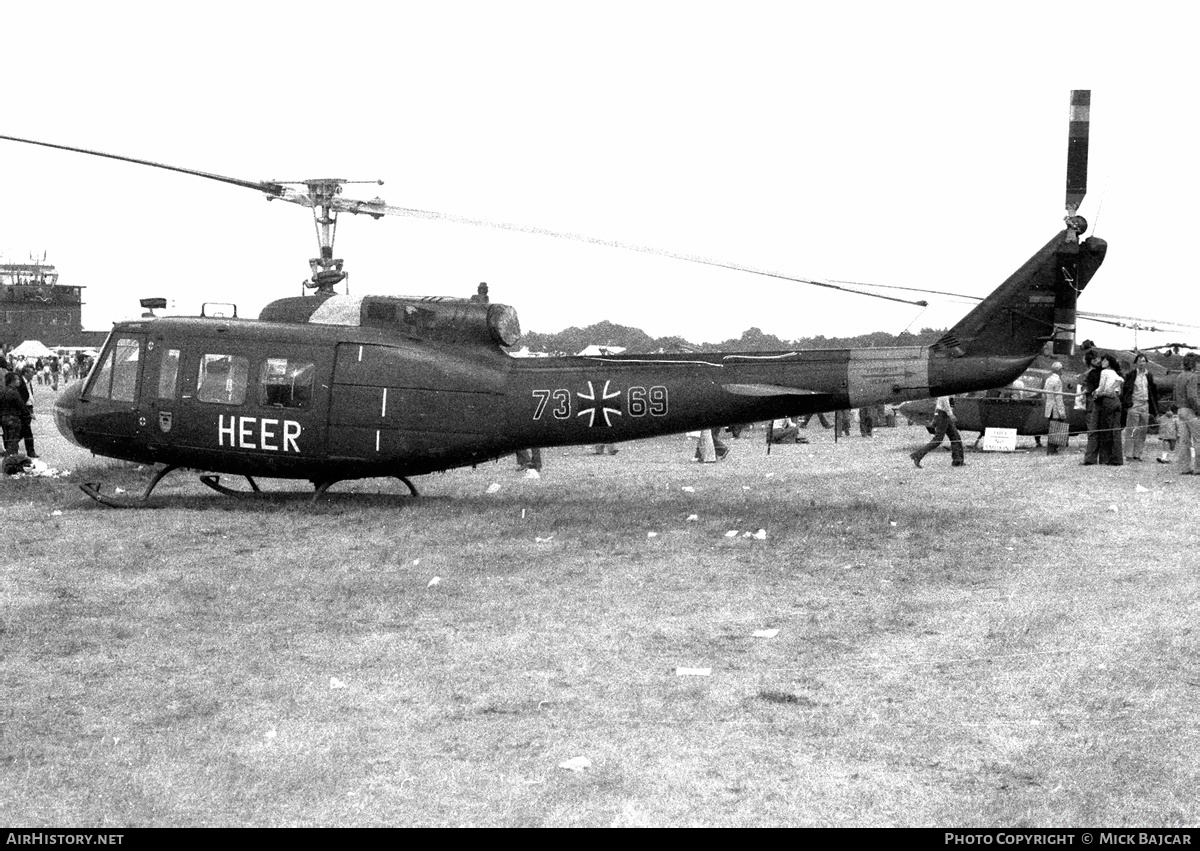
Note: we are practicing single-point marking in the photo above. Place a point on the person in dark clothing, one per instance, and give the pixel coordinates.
(25, 388)
(866, 421)
(841, 423)
(1088, 382)
(12, 410)
(529, 459)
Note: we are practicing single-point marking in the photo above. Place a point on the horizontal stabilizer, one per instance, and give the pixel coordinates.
(766, 390)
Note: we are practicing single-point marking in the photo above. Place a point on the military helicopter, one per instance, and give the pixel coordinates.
(330, 387)
(1020, 405)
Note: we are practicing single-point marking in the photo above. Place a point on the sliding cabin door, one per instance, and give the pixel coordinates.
(394, 405)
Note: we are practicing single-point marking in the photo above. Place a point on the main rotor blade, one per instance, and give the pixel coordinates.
(1133, 321)
(1106, 318)
(1077, 148)
(378, 208)
(271, 189)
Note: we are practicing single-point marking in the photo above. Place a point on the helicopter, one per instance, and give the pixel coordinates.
(1020, 406)
(329, 387)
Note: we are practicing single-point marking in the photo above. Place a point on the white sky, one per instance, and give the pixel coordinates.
(908, 144)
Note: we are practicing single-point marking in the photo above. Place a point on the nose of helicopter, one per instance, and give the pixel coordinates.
(65, 408)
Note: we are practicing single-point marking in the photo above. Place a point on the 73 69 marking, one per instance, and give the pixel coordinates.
(642, 401)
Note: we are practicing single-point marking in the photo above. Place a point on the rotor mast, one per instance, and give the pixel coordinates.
(322, 197)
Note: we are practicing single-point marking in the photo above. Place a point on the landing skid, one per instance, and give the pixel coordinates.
(324, 486)
(214, 482)
(92, 489)
(211, 480)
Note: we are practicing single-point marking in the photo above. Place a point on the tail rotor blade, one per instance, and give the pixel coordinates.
(1077, 149)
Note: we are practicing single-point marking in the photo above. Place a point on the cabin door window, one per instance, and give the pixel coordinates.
(223, 379)
(285, 383)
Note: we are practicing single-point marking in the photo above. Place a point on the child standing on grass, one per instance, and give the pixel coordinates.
(1167, 434)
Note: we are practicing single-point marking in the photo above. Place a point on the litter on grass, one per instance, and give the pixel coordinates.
(37, 468)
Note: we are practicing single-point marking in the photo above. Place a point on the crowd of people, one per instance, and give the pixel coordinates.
(19, 379)
(16, 415)
(50, 371)
(1122, 406)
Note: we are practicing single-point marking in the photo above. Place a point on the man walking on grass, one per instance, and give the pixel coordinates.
(943, 425)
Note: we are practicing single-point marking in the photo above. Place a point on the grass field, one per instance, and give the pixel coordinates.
(1008, 644)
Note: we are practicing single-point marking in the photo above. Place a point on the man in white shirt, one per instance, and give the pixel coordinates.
(943, 426)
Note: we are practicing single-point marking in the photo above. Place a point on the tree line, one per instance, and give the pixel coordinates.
(573, 339)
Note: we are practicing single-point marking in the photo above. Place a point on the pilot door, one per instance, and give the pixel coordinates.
(115, 415)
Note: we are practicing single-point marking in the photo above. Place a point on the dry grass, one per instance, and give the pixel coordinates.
(985, 646)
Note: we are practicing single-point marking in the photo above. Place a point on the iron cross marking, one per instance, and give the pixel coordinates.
(590, 396)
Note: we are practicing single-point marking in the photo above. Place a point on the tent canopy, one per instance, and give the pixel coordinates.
(594, 350)
(32, 349)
